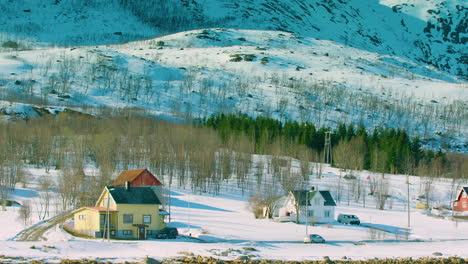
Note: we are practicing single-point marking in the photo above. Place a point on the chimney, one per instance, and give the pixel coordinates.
(127, 185)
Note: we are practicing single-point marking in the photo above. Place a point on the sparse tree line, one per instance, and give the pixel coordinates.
(186, 155)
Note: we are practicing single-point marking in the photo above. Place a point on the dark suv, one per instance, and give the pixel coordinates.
(167, 233)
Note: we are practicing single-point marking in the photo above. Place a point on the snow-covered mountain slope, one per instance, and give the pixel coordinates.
(432, 32)
(67, 22)
(270, 73)
(437, 35)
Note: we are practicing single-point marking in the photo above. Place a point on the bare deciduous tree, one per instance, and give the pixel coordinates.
(24, 213)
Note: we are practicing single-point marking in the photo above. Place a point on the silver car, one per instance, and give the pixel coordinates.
(314, 238)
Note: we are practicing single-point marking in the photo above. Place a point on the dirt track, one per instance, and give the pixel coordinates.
(36, 231)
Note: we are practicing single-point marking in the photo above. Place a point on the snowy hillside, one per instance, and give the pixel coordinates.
(430, 32)
(271, 73)
(397, 63)
(69, 22)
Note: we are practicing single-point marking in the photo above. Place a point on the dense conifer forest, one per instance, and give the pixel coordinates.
(385, 150)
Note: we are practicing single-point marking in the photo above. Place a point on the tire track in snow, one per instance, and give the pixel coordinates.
(36, 231)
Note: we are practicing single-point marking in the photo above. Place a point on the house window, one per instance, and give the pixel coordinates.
(464, 204)
(146, 219)
(128, 232)
(102, 220)
(317, 201)
(310, 213)
(82, 217)
(128, 218)
(327, 213)
(148, 232)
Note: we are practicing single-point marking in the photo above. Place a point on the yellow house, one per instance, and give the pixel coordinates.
(134, 213)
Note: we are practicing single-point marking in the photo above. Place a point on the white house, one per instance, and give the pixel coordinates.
(314, 207)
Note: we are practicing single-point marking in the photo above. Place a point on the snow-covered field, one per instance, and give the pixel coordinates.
(223, 223)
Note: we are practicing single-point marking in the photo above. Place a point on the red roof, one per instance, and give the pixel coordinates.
(100, 209)
(130, 176)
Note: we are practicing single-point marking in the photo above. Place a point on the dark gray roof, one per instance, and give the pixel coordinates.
(466, 189)
(329, 201)
(134, 195)
(301, 196)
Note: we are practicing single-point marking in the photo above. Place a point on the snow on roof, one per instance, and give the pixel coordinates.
(163, 212)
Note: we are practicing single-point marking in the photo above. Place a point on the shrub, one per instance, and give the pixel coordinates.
(160, 43)
(235, 57)
(349, 177)
(10, 44)
(249, 57)
(264, 60)
(256, 206)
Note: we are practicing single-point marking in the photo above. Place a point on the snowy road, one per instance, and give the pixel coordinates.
(36, 232)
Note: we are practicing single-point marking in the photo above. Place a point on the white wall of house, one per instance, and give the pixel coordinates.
(284, 209)
(316, 212)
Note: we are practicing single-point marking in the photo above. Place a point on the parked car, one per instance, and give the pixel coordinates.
(348, 219)
(168, 233)
(314, 238)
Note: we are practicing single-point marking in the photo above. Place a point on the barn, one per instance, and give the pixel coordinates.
(137, 178)
(461, 203)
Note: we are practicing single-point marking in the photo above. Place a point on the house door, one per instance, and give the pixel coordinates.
(141, 233)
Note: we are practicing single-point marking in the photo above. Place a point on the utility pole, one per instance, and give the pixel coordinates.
(169, 203)
(408, 194)
(307, 213)
(108, 216)
(327, 155)
(188, 215)
(105, 231)
(381, 205)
